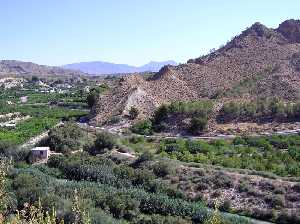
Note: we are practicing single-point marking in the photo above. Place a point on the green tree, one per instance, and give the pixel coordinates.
(142, 127)
(161, 114)
(94, 94)
(66, 138)
(105, 141)
(197, 124)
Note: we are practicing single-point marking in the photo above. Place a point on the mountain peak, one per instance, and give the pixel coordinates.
(258, 29)
(290, 29)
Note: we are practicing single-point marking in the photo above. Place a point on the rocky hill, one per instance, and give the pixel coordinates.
(13, 67)
(106, 68)
(259, 62)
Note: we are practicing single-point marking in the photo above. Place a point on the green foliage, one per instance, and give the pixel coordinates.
(142, 127)
(42, 119)
(124, 193)
(197, 111)
(195, 108)
(92, 98)
(163, 168)
(66, 138)
(260, 110)
(34, 79)
(104, 141)
(160, 114)
(36, 215)
(27, 129)
(254, 153)
(95, 93)
(145, 157)
(197, 124)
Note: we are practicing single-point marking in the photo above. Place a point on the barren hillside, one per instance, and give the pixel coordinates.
(258, 62)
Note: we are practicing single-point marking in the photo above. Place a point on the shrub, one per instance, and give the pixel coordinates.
(260, 110)
(142, 127)
(104, 141)
(133, 113)
(146, 156)
(92, 97)
(95, 93)
(275, 201)
(239, 141)
(197, 124)
(163, 168)
(161, 114)
(226, 206)
(114, 120)
(66, 138)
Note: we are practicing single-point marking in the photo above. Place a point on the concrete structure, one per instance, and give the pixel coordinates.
(23, 99)
(41, 152)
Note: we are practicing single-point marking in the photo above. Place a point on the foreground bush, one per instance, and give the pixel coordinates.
(66, 138)
(104, 142)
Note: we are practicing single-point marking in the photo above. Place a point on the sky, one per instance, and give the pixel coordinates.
(57, 32)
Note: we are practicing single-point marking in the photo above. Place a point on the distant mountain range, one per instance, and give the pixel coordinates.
(98, 67)
(13, 67)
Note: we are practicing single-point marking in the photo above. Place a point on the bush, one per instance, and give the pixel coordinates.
(197, 125)
(94, 94)
(275, 201)
(260, 110)
(133, 113)
(239, 141)
(163, 168)
(146, 156)
(161, 114)
(92, 98)
(114, 120)
(104, 141)
(66, 138)
(142, 127)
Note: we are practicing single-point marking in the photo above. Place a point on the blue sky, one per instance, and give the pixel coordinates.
(56, 32)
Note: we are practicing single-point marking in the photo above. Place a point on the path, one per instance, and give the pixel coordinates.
(118, 130)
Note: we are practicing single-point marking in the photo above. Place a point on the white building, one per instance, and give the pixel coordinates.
(23, 99)
(41, 152)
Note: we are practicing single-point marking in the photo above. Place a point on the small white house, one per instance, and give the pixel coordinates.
(23, 99)
(41, 152)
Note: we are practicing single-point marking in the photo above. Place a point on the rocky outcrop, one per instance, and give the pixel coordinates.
(290, 29)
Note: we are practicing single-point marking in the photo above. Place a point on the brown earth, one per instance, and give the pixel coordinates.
(260, 62)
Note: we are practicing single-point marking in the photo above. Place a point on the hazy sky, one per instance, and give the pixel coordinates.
(57, 32)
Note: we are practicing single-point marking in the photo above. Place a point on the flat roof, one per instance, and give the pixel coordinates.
(40, 148)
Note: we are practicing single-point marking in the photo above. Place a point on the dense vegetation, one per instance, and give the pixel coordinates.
(276, 154)
(105, 178)
(67, 138)
(260, 111)
(112, 193)
(195, 113)
(42, 119)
